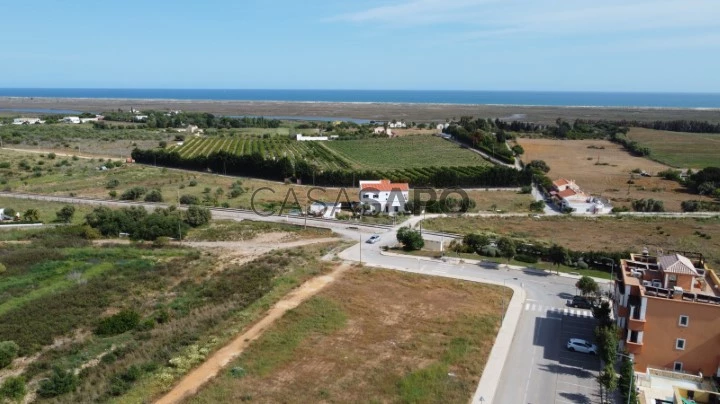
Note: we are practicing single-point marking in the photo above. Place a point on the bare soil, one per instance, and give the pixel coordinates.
(396, 324)
(603, 168)
(370, 111)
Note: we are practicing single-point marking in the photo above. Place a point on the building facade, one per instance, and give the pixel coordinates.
(668, 308)
(383, 196)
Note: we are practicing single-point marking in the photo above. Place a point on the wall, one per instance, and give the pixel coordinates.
(702, 336)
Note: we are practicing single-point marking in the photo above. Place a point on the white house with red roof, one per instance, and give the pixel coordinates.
(385, 196)
(569, 195)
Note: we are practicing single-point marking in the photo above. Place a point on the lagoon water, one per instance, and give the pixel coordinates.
(545, 98)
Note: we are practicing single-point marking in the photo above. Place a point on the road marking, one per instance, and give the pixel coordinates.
(582, 386)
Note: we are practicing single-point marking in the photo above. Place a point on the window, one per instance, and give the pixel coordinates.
(684, 321)
(680, 344)
(376, 196)
(677, 366)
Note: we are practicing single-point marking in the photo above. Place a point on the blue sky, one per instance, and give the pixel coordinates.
(564, 45)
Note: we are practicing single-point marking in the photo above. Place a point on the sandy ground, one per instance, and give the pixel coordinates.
(210, 368)
(370, 111)
(606, 172)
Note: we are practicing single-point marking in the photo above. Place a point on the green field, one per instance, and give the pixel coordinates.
(377, 154)
(679, 149)
(406, 152)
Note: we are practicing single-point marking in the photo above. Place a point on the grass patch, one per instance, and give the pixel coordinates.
(679, 149)
(227, 230)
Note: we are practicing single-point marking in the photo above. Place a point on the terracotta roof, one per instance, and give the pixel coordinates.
(566, 193)
(384, 185)
(561, 182)
(677, 264)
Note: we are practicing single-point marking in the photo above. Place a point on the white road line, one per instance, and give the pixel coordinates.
(527, 306)
(582, 386)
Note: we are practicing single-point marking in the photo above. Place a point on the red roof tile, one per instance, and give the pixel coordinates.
(560, 182)
(384, 186)
(566, 193)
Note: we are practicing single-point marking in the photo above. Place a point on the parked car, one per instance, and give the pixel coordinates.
(581, 302)
(373, 239)
(580, 345)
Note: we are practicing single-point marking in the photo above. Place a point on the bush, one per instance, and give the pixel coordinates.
(411, 239)
(537, 206)
(60, 382)
(133, 194)
(197, 216)
(8, 352)
(13, 388)
(65, 214)
(489, 251)
(526, 189)
(113, 194)
(192, 183)
(189, 200)
(530, 259)
(51, 156)
(154, 196)
(112, 183)
(118, 323)
(648, 205)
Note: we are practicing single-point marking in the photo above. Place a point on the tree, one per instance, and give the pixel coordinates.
(602, 314)
(607, 380)
(626, 382)
(197, 216)
(133, 194)
(507, 248)
(13, 388)
(31, 215)
(189, 200)
(587, 286)
(518, 150)
(411, 239)
(475, 241)
(538, 165)
(65, 214)
(8, 352)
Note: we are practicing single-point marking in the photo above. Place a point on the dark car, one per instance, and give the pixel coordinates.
(580, 302)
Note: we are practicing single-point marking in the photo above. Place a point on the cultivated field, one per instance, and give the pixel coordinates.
(678, 149)
(597, 234)
(405, 152)
(603, 168)
(371, 336)
(68, 176)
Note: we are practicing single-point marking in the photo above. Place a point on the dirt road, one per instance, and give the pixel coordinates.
(190, 384)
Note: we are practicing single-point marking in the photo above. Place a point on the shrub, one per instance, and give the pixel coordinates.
(133, 194)
(118, 323)
(51, 156)
(189, 200)
(8, 352)
(113, 194)
(526, 189)
(530, 259)
(411, 239)
(648, 205)
(2, 268)
(197, 216)
(13, 388)
(488, 251)
(112, 183)
(192, 183)
(60, 382)
(154, 196)
(65, 214)
(537, 206)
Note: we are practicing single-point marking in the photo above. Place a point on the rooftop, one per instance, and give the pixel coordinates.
(384, 185)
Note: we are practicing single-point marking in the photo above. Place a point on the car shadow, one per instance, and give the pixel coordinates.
(567, 370)
(536, 272)
(576, 398)
(566, 296)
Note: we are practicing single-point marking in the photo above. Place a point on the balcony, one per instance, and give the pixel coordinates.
(633, 347)
(636, 324)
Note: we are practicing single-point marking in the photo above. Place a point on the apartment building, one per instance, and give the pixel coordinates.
(668, 308)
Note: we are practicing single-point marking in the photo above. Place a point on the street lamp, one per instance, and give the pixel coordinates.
(632, 379)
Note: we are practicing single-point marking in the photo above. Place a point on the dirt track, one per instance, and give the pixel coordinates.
(190, 384)
(370, 111)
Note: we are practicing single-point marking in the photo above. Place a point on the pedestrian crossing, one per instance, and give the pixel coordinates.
(566, 311)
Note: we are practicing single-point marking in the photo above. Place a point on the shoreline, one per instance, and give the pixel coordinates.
(380, 111)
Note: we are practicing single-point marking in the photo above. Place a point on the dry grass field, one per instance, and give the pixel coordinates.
(371, 336)
(679, 149)
(603, 168)
(599, 233)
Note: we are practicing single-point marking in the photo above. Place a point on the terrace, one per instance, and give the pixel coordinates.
(672, 276)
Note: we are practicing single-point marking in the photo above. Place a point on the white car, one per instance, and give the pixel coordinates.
(374, 239)
(580, 345)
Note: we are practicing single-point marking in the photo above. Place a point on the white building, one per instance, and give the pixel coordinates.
(27, 121)
(301, 138)
(397, 125)
(71, 119)
(380, 130)
(569, 195)
(139, 118)
(326, 210)
(384, 196)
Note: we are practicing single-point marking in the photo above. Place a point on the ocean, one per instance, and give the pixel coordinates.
(525, 98)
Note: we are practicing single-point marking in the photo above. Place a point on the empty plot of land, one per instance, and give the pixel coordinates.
(598, 233)
(372, 336)
(405, 152)
(680, 149)
(604, 168)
